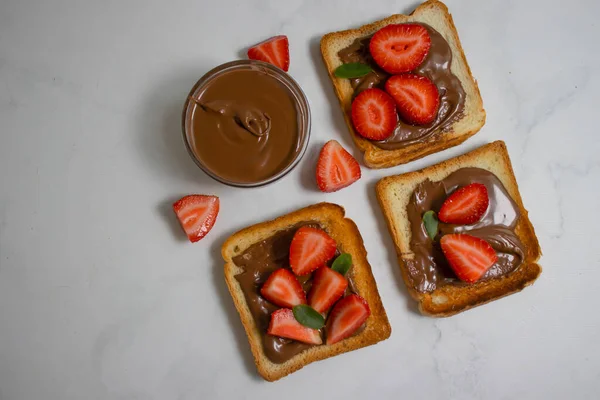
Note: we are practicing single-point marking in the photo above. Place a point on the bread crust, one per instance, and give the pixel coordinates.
(394, 193)
(435, 14)
(345, 232)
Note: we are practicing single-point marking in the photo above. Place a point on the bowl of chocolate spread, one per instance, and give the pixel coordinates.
(246, 123)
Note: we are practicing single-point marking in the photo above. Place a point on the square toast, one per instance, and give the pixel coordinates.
(394, 193)
(331, 218)
(436, 15)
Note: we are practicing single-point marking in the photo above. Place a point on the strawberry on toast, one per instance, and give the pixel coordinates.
(283, 289)
(347, 316)
(465, 205)
(310, 249)
(374, 114)
(416, 97)
(469, 257)
(327, 287)
(399, 48)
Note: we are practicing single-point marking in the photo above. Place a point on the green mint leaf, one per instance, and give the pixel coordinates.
(431, 224)
(352, 70)
(342, 264)
(308, 316)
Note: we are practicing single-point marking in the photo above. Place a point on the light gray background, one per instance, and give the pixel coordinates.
(101, 297)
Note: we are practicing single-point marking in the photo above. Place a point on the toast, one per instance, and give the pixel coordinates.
(330, 217)
(394, 193)
(436, 15)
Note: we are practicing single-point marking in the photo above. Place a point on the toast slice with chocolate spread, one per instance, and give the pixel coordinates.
(468, 119)
(396, 195)
(249, 252)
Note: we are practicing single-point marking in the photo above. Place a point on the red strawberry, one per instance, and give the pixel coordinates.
(346, 317)
(275, 50)
(416, 97)
(374, 114)
(400, 47)
(283, 324)
(310, 249)
(469, 256)
(336, 168)
(197, 214)
(283, 289)
(327, 287)
(465, 205)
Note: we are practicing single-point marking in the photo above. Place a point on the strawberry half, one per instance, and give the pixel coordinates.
(465, 205)
(346, 317)
(336, 168)
(283, 324)
(283, 289)
(327, 287)
(197, 214)
(275, 50)
(400, 48)
(416, 97)
(310, 249)
(374, 114)
(469, 256)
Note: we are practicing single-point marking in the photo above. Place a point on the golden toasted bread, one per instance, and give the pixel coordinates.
(436, 15)
(394, 194)
(329, 217)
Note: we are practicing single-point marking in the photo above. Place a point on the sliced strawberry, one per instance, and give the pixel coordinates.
(283, 324)
(469, 256)
(310, 249)
(327, 287)
(465, 205)
(400, 48)
(197, 214)
(416, 97)
(346, 317)
(336, 168)
(275, 50)
(283, 289)
(374, 114)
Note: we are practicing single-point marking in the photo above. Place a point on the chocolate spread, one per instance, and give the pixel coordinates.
(428, 269)
(245, 126)
(258, 262)
(436, 67)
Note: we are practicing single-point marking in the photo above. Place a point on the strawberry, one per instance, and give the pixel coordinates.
(275, 50)
(374, 114)
(469, 256)
(197, 214)
(327, 287)
(336, 168)
(400, 48)
(416, 97)
(283, 324)
(465, 205)
(346, 317)
(283, 289)
(310, 249)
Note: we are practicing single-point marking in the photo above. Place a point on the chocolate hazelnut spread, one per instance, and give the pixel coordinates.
(245, 126)
(428, 269)
(258, 262)
(436, 67)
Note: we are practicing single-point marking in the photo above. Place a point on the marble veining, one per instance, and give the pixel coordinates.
(101, 297)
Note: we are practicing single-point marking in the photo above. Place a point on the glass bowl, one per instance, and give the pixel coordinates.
(295, 92)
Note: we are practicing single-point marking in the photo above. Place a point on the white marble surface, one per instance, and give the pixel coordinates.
(102, 298)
